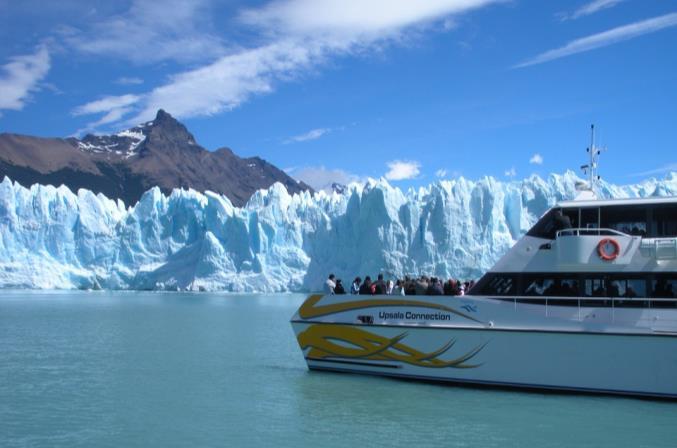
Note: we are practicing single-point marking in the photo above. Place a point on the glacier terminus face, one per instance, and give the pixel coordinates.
(53, 238)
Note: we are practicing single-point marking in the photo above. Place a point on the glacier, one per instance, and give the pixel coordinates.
(53, 238)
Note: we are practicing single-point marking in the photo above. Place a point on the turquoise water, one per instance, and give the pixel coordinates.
(172, 369)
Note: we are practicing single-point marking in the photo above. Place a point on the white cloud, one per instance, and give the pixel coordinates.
(301, 35)
(230, 81)
(441, 173)
(591, 8)
(536, 159)
(129, 81)
(113, 108)
(511, 172)
(21, 76)
(351, 19)
(321, 178)
(151, 32)
(402, 170)
(664, 169)
(313, 134)
(604, 39)
(112, 116)
(106, 104)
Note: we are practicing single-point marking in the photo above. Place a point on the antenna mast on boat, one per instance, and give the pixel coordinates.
(591, 167)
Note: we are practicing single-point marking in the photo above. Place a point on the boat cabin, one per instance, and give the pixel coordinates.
(648, 218)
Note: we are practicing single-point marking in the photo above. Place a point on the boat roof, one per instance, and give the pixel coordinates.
(626, 201)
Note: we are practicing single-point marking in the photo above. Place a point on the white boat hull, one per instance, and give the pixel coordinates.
(464, 351)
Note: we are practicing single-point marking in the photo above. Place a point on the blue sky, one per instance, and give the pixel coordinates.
(338, 90)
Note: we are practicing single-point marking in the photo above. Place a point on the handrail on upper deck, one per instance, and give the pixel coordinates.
(576, 301)
(597, 231)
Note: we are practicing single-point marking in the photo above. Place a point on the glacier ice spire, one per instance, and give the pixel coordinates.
(54, 238)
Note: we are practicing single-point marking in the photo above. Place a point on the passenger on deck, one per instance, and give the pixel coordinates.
(339, 287)
(398, 289)
(435, 287)
(599, 291)
(389, 287)
(562, 221)
(670, 290)
(379, 285)
(355, 287)
(422, 286)
(409, 287)
(330, 284)
(663, 289)
(630, 292)
(365, 289)
(449, 287)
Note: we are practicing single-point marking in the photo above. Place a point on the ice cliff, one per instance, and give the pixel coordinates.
(54, 238)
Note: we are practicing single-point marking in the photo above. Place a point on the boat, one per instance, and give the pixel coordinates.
(586, 301)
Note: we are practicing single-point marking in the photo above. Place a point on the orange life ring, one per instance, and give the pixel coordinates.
(603, 246)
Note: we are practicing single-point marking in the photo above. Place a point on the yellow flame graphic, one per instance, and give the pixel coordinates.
(357, 343)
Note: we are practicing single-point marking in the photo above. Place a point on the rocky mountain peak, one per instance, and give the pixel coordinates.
(167, 130)
(160, 152)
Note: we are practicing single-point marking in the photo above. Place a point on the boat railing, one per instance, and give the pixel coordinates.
(581, 303)
(596, 231)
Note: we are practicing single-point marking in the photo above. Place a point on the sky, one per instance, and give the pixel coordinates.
(341, 90)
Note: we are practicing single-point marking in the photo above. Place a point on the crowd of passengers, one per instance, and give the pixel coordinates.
(421, 286)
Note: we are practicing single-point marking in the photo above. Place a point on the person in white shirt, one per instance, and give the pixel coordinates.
(398, 289)
(355, 287)
(330, 284)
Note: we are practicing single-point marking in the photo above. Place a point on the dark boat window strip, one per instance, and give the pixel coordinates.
(646, 220)
(590, 287)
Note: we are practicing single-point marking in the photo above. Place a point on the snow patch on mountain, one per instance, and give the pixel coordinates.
(54, 238)
(124, 143)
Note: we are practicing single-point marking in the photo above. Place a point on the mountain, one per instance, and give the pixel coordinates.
(53, 238)
(123, 166)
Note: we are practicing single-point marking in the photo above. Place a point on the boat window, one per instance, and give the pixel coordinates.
(626, 219)
(627, 287)
(594, 287)
(536, 286)
(545, 227)
(572, 214)
(551, 222)
(568, 287)
(540, 285)
(664, 286)
(496, 285)
(665, 218)
(630, 290)
(590, 218)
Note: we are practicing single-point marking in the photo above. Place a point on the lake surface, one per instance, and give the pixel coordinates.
(172, 369)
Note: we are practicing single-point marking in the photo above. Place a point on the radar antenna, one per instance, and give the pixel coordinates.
(591, 168)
